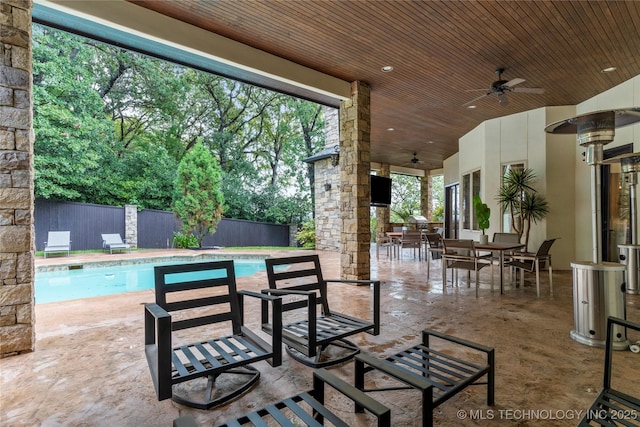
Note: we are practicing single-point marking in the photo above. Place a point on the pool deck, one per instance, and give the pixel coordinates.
(89, 368)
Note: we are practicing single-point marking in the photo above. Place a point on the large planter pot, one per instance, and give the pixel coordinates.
(484, 239)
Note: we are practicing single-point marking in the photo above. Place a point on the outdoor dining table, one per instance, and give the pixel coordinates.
(501, 248)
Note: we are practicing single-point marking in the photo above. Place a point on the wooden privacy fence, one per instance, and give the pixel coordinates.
(154, 228)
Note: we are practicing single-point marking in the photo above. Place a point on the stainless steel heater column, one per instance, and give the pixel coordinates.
(629, 253)
(598, 287)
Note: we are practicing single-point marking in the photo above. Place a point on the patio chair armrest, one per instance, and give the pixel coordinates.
(275, 325)
(309, 303)
(155, 318)
(322, 376)
(262, 295)
(285, 292)
(356, 282)
(158, 348)
(522, 255)
(426, 333)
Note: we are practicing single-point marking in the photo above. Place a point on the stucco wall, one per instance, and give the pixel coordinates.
(557, 160)
(520, 138)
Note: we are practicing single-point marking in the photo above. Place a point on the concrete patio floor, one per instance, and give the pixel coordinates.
(89, 368)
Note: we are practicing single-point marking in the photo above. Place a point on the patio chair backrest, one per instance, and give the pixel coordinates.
(544, 248)
(194, 286)
(434, 240)
(58, 238)
(460, 246)
(411, 238)
(112, 239)
(506, 237)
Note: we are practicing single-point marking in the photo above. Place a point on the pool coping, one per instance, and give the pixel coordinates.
(196, 257)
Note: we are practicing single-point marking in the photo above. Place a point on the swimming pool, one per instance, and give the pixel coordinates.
(86, 281)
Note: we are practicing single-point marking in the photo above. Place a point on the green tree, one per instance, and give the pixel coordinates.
(198, 200)
(72, 133)
(405, 197)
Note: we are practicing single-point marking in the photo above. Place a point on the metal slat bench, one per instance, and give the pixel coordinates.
(613, 407)
(306, 408)
(437, 375)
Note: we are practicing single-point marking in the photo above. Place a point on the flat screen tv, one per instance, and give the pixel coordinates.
(380, 191)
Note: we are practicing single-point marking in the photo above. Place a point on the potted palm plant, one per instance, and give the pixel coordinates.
(518, 197)
(483, 213)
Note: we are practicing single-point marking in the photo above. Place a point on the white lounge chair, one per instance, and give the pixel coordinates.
(58, 241)
(114, 241)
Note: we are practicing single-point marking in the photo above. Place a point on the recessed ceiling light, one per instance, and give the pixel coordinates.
(471, 107)
(390, 129)
(608, 69)
(429, 142)
(387, 68)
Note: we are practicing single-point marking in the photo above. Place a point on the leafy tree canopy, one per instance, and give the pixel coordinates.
(112, 126)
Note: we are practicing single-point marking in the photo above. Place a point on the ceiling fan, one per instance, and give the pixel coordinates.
(501, 87)
(414, 160)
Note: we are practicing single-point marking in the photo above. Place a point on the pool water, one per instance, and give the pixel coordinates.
(63, 285)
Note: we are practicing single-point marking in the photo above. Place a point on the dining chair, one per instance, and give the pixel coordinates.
(383, 241)
(434, 249)
(530, 262)
(411, 239)
(462, 254)
(504, 238)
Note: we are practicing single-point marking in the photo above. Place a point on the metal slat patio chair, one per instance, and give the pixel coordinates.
(204, 295)
(299, 280)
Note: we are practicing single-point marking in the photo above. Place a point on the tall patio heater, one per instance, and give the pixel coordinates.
(629, 254)
(598, 287)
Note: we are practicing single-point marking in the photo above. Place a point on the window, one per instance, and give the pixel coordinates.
(506, 216)
(470, 187)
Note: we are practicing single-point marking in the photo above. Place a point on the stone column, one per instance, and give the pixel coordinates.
(426, 210)
(355, 164)
(131, 225)
(383, 214)
(17, 333)
(327, 188)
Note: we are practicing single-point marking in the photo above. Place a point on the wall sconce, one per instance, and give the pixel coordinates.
(335, 156)
(327, 186)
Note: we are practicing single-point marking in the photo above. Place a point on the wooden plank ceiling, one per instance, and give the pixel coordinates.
(439, 50)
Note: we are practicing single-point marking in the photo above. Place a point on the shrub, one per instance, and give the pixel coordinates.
(307, 234)
(184, 241)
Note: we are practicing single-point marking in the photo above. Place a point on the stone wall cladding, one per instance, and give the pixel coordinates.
(131, 225)
(327, 202)
(17, 333)
(355, 168)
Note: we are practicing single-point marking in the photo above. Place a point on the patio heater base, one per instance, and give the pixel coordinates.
(599, 292)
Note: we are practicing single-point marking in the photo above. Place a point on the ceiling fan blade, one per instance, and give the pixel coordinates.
(475, 99)
(476, 90)
(537, 90)
(513, 82)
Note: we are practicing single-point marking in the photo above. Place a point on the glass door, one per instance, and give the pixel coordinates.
(451, 214)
